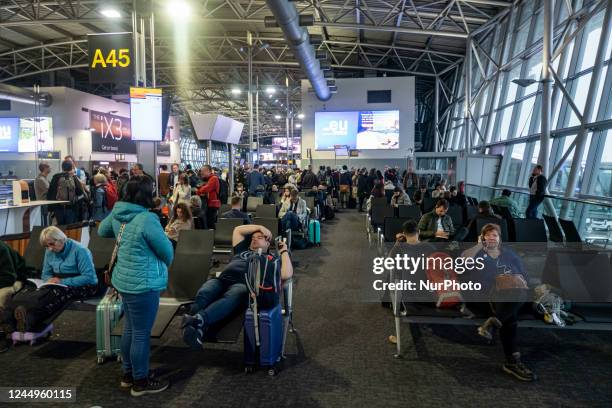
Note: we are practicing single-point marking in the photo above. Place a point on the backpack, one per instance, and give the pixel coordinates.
(269, 286)
(223, 190)
(110, 195)
(66, 189)
(446, 298)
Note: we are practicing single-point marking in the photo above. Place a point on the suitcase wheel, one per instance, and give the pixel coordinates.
(272, 371)
(100, 360)
(249, 369)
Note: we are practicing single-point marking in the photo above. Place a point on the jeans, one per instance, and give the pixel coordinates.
(65, 215)
(290, 221)
(139, 311)
(217, 299)
(532, 208)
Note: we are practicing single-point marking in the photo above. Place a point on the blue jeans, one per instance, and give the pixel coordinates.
(217, 299)
(139, 311)
(532, 208)
(290, 221)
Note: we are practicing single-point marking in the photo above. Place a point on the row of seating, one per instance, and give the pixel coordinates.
(390, 220)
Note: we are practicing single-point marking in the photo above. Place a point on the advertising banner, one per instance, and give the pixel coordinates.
(110, 133)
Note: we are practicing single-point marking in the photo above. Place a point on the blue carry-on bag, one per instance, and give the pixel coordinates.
(263, 323)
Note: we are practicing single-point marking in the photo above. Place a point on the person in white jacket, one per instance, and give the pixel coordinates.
(182, 191)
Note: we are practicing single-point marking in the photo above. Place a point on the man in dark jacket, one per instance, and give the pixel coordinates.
(437, 224)
(236, 211)
(363, 189)
(537, 190)
(346, 185)
(66, 186)
(255, 179)
(309, 179)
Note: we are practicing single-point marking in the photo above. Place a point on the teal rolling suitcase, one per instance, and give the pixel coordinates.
(314, 232)
(108, 314)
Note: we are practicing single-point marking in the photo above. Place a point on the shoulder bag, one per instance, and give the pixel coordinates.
(108, 273)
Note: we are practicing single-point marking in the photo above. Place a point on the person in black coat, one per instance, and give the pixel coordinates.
(363, 187)
(537, 191)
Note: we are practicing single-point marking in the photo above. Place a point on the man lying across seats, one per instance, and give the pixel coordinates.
(219, 297)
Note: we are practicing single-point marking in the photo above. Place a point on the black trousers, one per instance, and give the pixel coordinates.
(211, 217)
(41, 304)
(505, 307)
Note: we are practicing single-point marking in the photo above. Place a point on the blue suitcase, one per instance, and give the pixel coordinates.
(314, 232)
(270, 339)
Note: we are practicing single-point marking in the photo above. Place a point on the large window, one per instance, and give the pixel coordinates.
(515, 112)
(603, 176)
(516, 161)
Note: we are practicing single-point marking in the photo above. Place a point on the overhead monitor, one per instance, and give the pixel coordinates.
(266, 156)
(146, 114)
(29, 142)
(279, 145)
(364, 130)
(9, 134)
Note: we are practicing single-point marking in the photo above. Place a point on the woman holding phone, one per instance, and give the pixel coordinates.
(504, 279)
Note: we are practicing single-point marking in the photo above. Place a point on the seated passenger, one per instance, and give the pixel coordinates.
(505, 201)
(437, 192)
(13, 273)
(400, 198)
(420, 194)
(293, 213)
(286, 196)
(220, 297)
(436, 224)
(484, 213)
(505, 300)
(181, 220)
(69, 266)
(236, 211)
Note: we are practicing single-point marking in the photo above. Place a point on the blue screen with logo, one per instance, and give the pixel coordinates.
(363, 130)
(9, 134)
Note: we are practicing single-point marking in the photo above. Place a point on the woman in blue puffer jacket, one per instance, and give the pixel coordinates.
(140, 275)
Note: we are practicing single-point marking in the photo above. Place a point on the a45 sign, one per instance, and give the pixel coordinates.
(110, 58)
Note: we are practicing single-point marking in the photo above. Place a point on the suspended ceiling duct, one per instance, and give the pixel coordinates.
(14, 93)
(297, 37)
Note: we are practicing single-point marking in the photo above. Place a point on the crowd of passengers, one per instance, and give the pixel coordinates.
(146, 219)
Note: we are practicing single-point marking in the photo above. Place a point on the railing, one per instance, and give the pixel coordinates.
(592, 217)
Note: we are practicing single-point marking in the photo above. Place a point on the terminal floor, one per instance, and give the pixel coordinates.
(340, 359)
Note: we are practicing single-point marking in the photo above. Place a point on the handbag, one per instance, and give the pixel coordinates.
(108, 273)
(507, 281)
(344, 188)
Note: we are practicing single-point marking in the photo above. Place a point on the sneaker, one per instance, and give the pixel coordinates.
(486, 330)
(148, 386)
(188, 320)
(193, 337)
(127, 380)
(515, 367)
